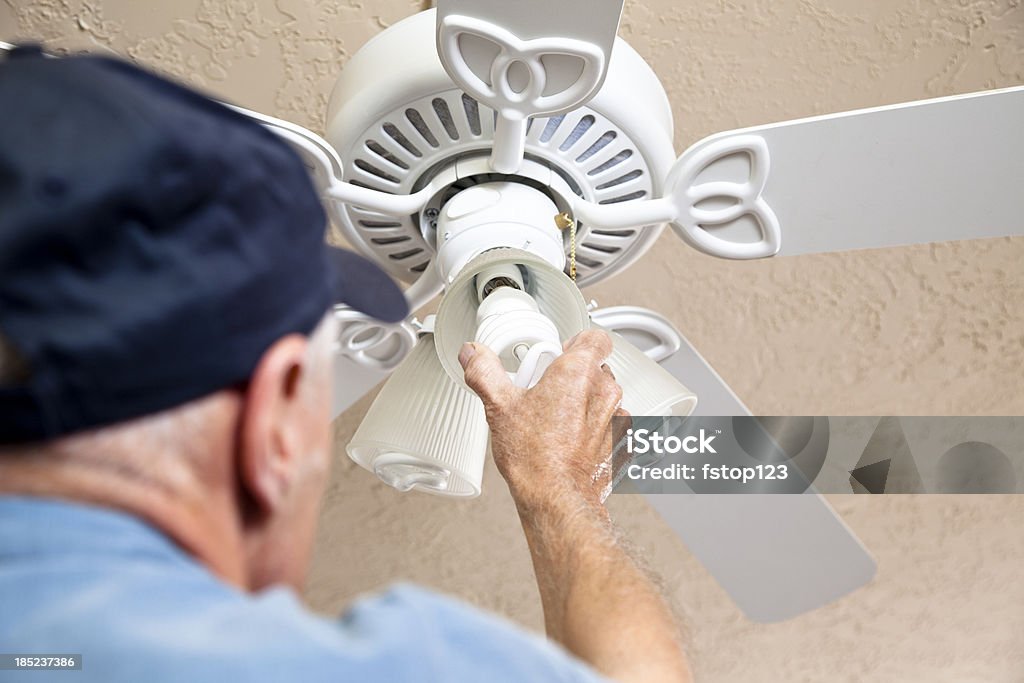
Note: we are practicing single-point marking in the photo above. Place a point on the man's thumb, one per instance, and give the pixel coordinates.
(485, 374)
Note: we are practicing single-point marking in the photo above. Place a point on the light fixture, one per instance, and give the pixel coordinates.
(647, 388)
(424, 431)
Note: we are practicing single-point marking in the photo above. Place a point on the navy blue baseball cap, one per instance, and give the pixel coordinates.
(153, 244)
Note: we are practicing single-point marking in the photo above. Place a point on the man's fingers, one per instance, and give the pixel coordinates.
(620, 426)
(620, 454)
(485, 374)
(582, 372)
(607, 399)
(606, 369)
(595, 344)
(583, 357)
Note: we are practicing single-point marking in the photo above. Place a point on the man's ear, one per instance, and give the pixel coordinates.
(271, 441)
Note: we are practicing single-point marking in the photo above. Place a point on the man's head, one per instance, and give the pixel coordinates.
(164, 284)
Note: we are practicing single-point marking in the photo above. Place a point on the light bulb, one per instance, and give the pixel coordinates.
(510, 323)
(548, 310)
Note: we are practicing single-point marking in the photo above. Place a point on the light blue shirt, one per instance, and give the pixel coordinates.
(92, 581)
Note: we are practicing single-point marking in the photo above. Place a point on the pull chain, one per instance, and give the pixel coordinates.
(563, 221)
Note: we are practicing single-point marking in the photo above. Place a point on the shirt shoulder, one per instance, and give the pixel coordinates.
(449, 640)
(136, 608)
(193, 633)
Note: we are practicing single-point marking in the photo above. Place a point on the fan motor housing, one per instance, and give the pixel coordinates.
(400, 124)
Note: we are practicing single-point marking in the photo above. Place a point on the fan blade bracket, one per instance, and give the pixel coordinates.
(371, 342)
(687, 192)
(530, 58)
(685, 204)
(638, 325)
(317, 154)
(624, 215)
(326, 168)
(377, 201)
(366, 352)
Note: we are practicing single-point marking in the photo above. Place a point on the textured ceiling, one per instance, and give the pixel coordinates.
(919, 330)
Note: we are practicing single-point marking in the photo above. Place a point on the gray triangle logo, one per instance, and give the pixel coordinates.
(871, 478)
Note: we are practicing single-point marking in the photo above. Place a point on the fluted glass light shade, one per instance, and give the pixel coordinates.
(424, 431)
(647, 388)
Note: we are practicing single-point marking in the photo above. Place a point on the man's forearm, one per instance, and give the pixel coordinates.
(551, 444)
(598, 603)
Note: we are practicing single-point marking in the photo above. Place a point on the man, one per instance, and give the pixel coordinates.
(164, 394)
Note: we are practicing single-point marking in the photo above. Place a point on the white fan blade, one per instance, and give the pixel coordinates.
(714, 397)
(526, 58)
(648, 331)
(777, 556)
(929, 171)
(352, 381)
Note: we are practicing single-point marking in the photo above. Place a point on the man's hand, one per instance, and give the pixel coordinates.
(553, 440)
(553, 444)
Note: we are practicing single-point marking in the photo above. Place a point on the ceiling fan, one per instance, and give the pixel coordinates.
(507, 154)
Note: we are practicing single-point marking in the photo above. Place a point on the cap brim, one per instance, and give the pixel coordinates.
(361, 284)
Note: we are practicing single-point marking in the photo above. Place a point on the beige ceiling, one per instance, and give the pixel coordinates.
(921, 330)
